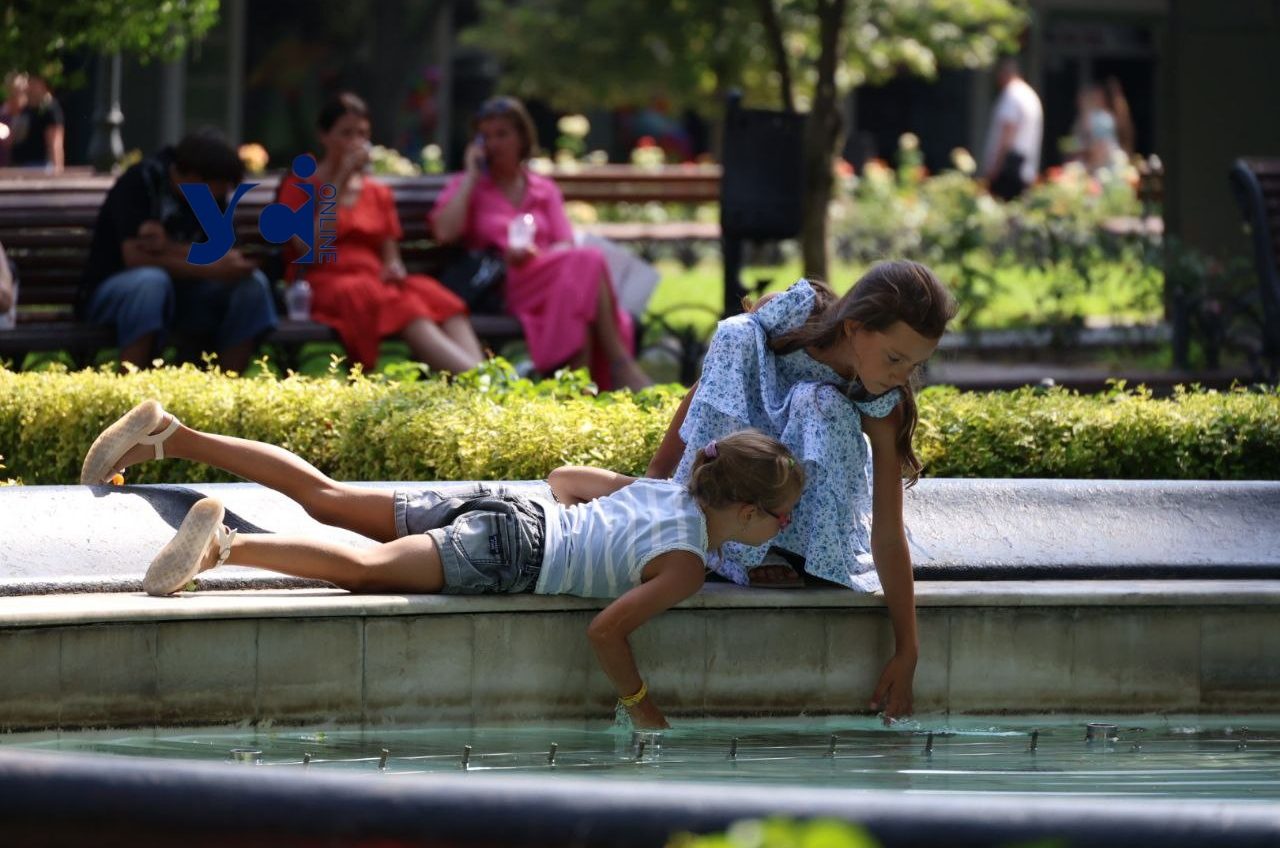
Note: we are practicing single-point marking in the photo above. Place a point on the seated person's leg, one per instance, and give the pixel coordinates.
(230, 316)
(140, 303)
(409, 564)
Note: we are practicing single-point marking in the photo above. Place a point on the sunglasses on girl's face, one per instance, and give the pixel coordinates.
(783, 520)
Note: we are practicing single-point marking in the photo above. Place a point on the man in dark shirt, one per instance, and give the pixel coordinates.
(138, 277)
(38, 130)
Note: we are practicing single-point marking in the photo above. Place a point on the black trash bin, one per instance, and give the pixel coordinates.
(761, 185)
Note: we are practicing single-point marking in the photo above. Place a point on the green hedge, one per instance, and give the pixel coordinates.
(491, 425)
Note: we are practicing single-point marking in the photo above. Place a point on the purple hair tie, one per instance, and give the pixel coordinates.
(710, 449)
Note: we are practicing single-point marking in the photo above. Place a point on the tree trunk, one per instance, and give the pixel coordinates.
(777, 46)
(824, 132)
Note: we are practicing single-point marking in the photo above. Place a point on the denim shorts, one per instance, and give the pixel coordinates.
(490, 539)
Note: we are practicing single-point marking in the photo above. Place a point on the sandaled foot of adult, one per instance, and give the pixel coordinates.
(134, 437)
(201, 543)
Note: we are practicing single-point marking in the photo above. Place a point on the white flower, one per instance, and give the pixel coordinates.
(908, 141)
(964, 161)
(581, 213)
(575, 125)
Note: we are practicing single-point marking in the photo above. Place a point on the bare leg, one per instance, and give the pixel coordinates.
(459, 329)
(409, 564)
(669, 452)
(139, 351)
(582, 359)
(621, 362)
(369, 512)
(430, 344)
(236, 358)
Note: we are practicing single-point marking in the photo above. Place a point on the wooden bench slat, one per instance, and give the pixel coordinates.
(48, 239)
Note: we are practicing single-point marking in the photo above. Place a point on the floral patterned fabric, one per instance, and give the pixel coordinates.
(802, 403)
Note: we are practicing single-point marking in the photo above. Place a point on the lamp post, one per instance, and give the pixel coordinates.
(106, 147)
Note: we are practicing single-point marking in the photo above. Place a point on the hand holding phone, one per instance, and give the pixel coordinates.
(477, 154)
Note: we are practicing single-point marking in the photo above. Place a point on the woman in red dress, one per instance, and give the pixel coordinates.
(366, 295)
(562, 294)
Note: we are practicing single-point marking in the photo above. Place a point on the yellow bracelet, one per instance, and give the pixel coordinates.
(632, 700)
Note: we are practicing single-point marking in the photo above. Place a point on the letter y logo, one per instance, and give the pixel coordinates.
(218, 226)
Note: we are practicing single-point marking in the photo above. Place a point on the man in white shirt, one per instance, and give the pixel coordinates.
(1012, 156)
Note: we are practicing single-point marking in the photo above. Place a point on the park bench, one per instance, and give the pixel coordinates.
(46, 226)
(1256, 184)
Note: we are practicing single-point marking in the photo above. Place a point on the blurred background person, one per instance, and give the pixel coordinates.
(563, 296)
(1011, 159)
(1118, 105)
(39, 142)
(15, 101)
(366, 294)
(1095, 129)
(138, 279)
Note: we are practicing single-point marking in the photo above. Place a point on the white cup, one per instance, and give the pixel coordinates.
(520, 232)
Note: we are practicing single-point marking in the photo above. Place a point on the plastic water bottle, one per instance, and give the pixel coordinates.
(297, 299)
(520, 232)
(9, 318)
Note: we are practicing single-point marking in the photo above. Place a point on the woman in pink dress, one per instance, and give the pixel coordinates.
(367, 295)
(562, 294)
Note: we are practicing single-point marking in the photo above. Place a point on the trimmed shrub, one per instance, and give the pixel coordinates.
(490, 424)
(1126, 434)
(487, 425)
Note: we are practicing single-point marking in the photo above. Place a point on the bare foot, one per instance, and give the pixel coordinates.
(775, 577)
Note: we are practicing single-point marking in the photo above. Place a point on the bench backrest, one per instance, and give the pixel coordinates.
(46, 230)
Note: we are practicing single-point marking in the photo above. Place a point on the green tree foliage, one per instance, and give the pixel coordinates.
(805, 54)
(35, 35)
(614, 53)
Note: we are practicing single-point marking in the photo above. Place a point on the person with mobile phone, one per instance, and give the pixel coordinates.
(563, 295)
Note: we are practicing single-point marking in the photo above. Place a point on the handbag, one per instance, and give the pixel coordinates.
(477, 277)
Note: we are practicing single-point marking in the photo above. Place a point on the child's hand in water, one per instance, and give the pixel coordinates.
(646, 716)
(893, 693)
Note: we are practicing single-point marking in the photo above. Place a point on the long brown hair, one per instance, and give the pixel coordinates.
(339, 104)
(1118, 105)
(745, 467)
(888, 293)
(513, 112)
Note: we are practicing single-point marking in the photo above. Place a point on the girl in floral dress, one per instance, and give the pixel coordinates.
(830, 378)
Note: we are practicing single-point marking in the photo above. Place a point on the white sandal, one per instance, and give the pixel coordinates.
(129, 430)
(179, 561)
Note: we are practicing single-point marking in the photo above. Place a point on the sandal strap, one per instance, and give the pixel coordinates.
(223, 536)
(158, 439)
